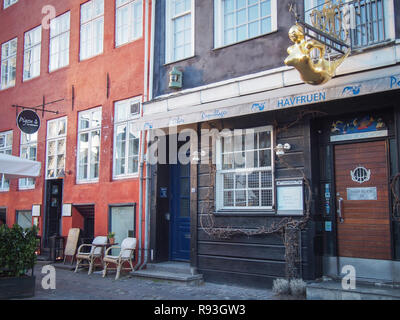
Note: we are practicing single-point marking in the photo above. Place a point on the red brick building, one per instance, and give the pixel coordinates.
(92, 58)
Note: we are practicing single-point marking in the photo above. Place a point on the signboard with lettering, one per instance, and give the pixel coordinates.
(362, 193)
(290, 200)
(28, 121)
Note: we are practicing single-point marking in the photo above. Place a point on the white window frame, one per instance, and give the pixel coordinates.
(390, 31)
(6, 149)
(219, 24)
(219, 190)
(11, 61)
(169, 34)
(30, 50)
(9, 3)
(93, 36)
(132, 5)
(28, 141)
(57, 35)
(128, 120)
(56, 139)
(89, 113)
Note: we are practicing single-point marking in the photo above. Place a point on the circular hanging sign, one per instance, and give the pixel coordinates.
(28, 121)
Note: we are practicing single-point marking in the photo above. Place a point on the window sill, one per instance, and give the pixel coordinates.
(126, 177)
(117, 46)
(26, 188)
(177, 61)
(242, 41)
(87, 181)
(246, 213)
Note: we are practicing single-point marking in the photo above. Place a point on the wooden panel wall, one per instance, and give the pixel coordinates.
(256, 260)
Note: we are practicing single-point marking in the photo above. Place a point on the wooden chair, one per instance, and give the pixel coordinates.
(127, 247)
(96, 252)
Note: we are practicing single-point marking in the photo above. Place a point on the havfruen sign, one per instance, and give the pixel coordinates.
(28, 121)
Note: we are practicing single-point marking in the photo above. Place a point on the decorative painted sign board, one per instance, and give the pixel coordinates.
(358, 128)
(28, 121)
(362, 193)
(290, 198)
(67, 210)
(36, 210)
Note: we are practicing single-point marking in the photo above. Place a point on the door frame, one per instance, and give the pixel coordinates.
(47, 208)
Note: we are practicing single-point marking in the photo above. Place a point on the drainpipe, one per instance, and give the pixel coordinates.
(141, 264)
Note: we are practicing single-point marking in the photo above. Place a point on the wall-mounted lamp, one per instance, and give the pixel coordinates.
(195, 155)
(175, 79)
(281, 148)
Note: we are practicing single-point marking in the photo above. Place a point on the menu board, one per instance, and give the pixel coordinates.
(290, 197)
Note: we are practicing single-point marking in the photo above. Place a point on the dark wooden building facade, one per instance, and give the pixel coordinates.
(341, 149)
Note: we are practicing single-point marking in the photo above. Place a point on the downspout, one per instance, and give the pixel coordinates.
(140, 265)
(148, 175)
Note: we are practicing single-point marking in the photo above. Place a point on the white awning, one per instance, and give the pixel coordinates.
(16, 167)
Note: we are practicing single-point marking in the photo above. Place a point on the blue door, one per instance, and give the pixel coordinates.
(180, 212)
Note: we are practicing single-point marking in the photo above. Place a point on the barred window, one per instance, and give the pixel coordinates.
(244, 176)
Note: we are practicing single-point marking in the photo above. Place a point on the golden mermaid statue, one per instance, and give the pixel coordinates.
(311, 72)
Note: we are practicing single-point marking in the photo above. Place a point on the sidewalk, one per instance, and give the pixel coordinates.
(80, 286)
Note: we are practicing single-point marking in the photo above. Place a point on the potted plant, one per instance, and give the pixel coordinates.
(17, 257)
(111, 237)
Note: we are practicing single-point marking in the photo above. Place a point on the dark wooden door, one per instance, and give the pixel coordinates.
(361, 177)
(53, 207)
(180, 212)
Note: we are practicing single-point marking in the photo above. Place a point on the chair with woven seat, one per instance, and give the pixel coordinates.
(96, 252)
(127, 247)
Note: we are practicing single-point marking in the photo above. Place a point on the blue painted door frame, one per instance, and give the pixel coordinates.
(180, 212)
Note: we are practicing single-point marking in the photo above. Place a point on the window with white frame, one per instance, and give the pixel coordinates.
(28, 151)
(129, 17)
(56, 147)
(89, 138)
(8, 63)
(239, 20)
(126, 138)
(6, 141)
(179, 29)
(59, 41)
(32, 51)
(92, 28)
(244, 178)
(8, 3)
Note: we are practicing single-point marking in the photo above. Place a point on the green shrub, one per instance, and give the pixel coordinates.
(17, 250)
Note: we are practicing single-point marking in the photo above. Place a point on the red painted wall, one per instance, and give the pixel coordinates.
(125, 66)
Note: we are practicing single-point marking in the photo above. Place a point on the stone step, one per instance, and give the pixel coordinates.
(332, 290)
(170, 271)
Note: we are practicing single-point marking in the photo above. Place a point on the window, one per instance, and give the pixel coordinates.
(56, 147)
(244, 178)
(8, 3)
(179, 29)
(8, 63)
(6, 141)
(238, 20)
(122, 222)
(24, 219)
(59, 41)
(32, 50)
(28, 151)
(126, 140)
(129, 17)
(92, 28)
(89, 135)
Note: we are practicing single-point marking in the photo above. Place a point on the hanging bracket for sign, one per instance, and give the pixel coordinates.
(39, 107)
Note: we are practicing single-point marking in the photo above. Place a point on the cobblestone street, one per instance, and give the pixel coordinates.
(80, 286)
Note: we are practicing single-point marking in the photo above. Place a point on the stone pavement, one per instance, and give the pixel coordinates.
(80, 286)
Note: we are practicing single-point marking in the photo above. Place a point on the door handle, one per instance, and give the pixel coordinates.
(340, 210)
(167, 216)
